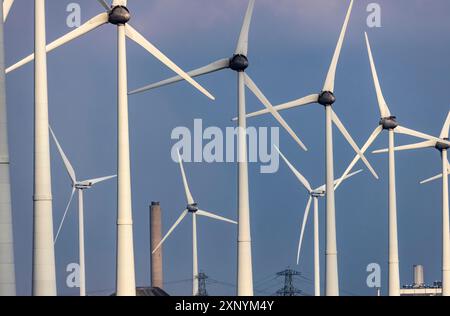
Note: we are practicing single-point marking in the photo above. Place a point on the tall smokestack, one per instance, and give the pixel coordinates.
(418, 276)
(155, 238)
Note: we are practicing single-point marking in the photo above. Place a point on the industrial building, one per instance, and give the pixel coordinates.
(419, 287)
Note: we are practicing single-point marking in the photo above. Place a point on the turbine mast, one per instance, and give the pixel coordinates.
(316, 248)
(125, 278)
(394, 270)
(445, 227)
(331, 262)
(194, 256)
(81, 243)
(7, 269)
(245, 271)
(44, 279)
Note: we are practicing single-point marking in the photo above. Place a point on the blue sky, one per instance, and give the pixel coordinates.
(291, 44)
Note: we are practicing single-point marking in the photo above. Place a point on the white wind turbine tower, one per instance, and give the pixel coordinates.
(7, 270)
(442, 148)
(119, 15)
(314, 195)
(79, 186)
(327, 99)
(44, 278)
(192, 208)
(7, 4)
(239, 63)
(389, 122)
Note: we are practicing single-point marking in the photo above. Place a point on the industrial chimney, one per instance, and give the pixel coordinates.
(155, 238)
(418, 276)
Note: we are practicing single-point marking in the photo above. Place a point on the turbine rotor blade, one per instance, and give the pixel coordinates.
(352, 143)
(297, 173)
(98, 180)
(177, 222)
(262, 98)
(139, 39)
(69, 168)
(369, 142)
(425, 144)
(410, 132)
(302, 232)
(90, 25)
(7, 4)
(104, 4)
(384, 109)
(189, 198)
(445, 129)
(64, 216)
(324, 187)
(242, 47)
(431, 179)
(436, 177)
(329, 82)
(213, 67)
(220, 218)
(313, 98)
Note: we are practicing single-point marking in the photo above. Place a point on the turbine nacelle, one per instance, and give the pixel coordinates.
(239, 62)
(442, 146)
(83, 185)
(318, 193)
(389, 122)
(119, 15)
(326, 98)
(192, 208)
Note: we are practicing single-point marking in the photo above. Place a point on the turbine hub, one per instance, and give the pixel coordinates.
(327, 98)
(389, 122)
(119, 15)
(192, 208)
(239, 63)
(442, 146)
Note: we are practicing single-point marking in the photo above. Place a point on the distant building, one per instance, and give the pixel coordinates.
(419, 288)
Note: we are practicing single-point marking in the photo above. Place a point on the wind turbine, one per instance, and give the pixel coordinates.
(314, 195)
(77, 186)
(442, 148)
(192, 208)
(389, 122)
(238, 62)
(119, 15)
(7, 269)
(327, 99)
